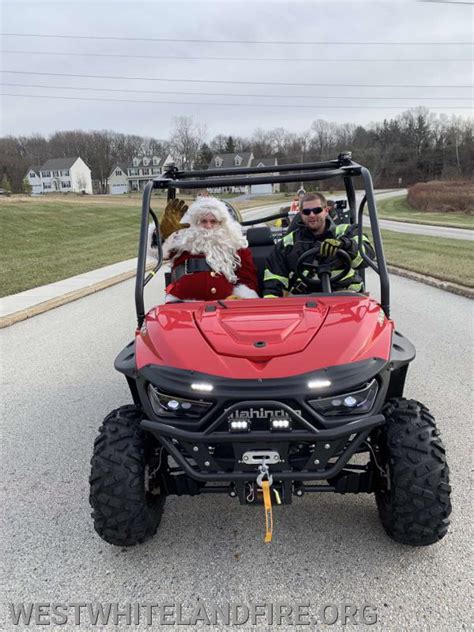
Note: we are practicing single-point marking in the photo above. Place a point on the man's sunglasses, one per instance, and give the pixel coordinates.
(317, 210)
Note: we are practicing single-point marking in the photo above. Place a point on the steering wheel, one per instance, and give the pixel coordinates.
(307, 263)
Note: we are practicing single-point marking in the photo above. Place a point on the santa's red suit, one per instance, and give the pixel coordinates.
(212, 264)
(208, 286)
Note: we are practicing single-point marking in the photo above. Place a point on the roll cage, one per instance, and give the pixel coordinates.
(343, 167)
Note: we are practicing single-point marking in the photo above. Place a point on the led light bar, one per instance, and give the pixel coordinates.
(319, 383)
(239, 425)
(281, 424)
(202, 386)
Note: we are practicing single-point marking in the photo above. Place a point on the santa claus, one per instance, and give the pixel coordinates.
(210, 259)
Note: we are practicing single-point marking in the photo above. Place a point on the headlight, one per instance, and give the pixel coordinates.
(354, 403)
(163, 404)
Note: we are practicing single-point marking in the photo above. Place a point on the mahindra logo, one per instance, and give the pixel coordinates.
(260, 413)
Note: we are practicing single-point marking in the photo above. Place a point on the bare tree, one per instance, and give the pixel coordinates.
(186, 140)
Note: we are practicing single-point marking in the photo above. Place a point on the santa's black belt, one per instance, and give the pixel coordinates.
(189, 267)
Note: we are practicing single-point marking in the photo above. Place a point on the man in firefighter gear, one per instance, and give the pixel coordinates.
(314, 229)
(210, 258)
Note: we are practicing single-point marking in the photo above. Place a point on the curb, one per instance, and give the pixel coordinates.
(29, 312)
(447, 286)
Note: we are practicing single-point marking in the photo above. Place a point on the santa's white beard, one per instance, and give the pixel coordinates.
(219, 246)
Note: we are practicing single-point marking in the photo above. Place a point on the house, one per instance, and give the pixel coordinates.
(60, 174)
(34, 178)
(125, 178)
(244, 159)
(265, 189)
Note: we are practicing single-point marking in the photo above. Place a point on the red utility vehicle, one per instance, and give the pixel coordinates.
(269, 399)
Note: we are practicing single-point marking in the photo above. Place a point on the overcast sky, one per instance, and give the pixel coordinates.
(425, 81)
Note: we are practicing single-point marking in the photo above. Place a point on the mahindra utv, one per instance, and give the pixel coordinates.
(268, 400)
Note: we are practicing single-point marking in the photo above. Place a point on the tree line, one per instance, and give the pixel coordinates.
(416, 146)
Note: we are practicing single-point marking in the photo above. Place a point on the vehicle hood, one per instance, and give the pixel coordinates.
(264, 337)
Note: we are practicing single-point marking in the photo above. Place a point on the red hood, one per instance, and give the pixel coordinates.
(265, 338)
(246, 331)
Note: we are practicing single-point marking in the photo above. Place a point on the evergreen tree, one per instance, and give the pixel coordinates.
(230, 145)
(5, 184)
(26, 186)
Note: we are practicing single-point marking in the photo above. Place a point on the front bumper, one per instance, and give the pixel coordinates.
(306, 453)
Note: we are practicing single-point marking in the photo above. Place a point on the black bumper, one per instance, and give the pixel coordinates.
(327, 450)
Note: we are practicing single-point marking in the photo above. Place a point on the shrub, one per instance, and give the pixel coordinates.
(442, 197)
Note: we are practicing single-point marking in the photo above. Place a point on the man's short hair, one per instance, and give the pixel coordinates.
(310, 197)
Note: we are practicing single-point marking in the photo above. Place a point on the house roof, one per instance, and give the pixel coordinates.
(228, 160)
(120, 165)
(140, 161)
(266, 162)
(34, 168)
(58, 163)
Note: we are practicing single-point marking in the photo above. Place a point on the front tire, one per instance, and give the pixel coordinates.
(413, 495)
(127, 508)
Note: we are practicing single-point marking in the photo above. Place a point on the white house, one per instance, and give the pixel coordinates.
(60, 174)
(34, 178)
(125, 178)
(244, 159)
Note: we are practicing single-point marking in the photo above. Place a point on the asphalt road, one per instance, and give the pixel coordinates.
(59, 383)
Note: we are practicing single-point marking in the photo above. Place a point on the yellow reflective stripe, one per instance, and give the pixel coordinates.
(341, 229)
(269, 276)
(358, 259)
(270, 296)
(288, 240)
(350, 274)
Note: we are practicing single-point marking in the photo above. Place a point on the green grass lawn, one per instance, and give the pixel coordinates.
(445, 259)
(398, 209)
(43, 242)
(46, 240)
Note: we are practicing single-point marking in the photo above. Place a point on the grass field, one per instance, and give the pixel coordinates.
(46, 240)
(445, 259)
(43, 240)
(397, 209)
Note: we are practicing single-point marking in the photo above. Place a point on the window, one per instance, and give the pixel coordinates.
(145, 161)
(56, 174)
(136, 162)
(133, 172)
(156, 172)
(65, 184)
(218, 161)
(46, 185)
(65, 172)
(145, 172)
(156, 160)
(238, 161)
(46, 174)
(118, 172)
(32, 174)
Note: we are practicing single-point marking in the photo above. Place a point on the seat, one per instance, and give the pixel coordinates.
(261, 244)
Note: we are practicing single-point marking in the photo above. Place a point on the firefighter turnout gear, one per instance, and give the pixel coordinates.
(279, 275)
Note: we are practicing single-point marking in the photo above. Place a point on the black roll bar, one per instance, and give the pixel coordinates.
(342, 160)
(211, 182)
(343, 167)
(381, 267)
(140, 280)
